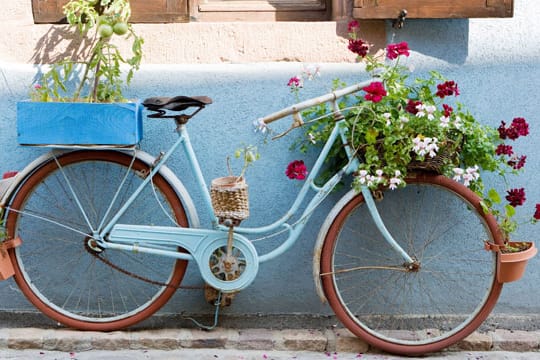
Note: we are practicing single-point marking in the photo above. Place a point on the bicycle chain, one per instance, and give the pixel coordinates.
(139, 277)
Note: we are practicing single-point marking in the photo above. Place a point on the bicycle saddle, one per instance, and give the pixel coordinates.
(176, 103)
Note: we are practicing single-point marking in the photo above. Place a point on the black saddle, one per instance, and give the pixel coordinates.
(176, 103)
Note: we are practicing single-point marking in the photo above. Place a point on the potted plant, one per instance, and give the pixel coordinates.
(398, 125)
(513, 255)
(230, 193)
(6, 267)
(79, 100)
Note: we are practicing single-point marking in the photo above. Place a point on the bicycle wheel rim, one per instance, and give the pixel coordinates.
(394, 317)
(70, 283)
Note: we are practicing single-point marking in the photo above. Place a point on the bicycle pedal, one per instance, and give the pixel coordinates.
(212, 295)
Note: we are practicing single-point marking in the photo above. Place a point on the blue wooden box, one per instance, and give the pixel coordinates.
(72, 123)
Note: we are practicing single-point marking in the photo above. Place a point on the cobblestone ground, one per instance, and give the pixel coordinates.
(220, 354)
(244, 344)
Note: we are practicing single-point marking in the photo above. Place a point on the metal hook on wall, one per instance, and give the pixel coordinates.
(400, 21)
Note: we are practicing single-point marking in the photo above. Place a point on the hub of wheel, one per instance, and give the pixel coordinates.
(91, 244)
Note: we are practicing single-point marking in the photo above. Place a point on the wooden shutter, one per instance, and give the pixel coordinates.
(143, 11)
(390, 9)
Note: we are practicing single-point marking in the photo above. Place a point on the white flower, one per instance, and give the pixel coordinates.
(379, 178)
(387, 116)
(362, 176)
(425, 145)
(445, 121)
(395, 181)
(458, 172)
(457, 122)
(260, 125)
(311, 138)
(473, 172)
(311, 71)
(421, 110)
(430, 109)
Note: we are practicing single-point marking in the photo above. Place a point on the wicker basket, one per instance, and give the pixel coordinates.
(230, 198)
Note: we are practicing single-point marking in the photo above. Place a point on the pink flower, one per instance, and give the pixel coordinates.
(516, 197)
(359, 47)
(393, 51)
(375, 91)
(447, 88)
(37, 86)
(295, 82)
(296, 170)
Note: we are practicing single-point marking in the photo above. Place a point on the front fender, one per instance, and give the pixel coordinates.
(321, 238)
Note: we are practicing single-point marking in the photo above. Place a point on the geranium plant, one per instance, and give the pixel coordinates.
(398, 124)
(95, 74)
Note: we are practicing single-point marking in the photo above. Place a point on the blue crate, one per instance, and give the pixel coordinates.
(72, 123)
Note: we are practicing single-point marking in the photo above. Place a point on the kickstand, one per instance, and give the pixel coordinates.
(216, 316)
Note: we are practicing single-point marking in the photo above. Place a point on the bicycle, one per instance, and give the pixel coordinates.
(85, 218)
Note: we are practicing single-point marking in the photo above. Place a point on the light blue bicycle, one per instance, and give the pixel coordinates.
(108, 233)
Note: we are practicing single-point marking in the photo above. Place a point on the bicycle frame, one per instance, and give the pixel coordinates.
(164, 241)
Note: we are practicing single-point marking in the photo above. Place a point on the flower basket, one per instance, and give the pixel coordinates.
(6, 267)
(511, 265)
(78, 123)
(230, 201)
(447, 155)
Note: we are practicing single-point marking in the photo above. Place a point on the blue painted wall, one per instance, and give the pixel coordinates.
(496, 63)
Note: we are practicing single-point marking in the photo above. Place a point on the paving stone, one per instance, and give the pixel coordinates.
(111, 341)
(25, 338)
(166, 339)
(216, 339)
(347, 341)
(516, 340)
(256, 339)
(67, 340)
(475, 342)
(308, 340)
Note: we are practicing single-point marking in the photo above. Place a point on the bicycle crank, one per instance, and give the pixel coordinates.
(228, 268)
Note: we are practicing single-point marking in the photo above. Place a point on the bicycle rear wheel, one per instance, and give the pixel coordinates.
(411, 310)
(58, 269)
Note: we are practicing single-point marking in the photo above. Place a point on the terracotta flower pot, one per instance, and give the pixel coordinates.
(6, 267)
(511, 266)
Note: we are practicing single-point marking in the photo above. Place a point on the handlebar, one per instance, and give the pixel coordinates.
(296, 108)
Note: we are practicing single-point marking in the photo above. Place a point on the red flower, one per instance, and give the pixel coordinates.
(353, 25)
(504, 150)
(447, 110)
(375, 91)
(537, 212)
(516, 197)
(296, 170)
(521, 126)
(395, 50)
(447, 88)
(412, 106)
(517, 128)
(517, 163)
(359, 47)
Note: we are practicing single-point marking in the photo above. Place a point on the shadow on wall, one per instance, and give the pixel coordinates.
(444, 39)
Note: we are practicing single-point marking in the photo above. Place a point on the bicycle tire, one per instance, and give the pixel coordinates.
(440, 224)
(59, 272)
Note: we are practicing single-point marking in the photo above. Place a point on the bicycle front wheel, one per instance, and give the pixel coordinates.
(55, 212)
(412, 308)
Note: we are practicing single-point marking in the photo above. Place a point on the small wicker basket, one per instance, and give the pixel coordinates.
(230, 201)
